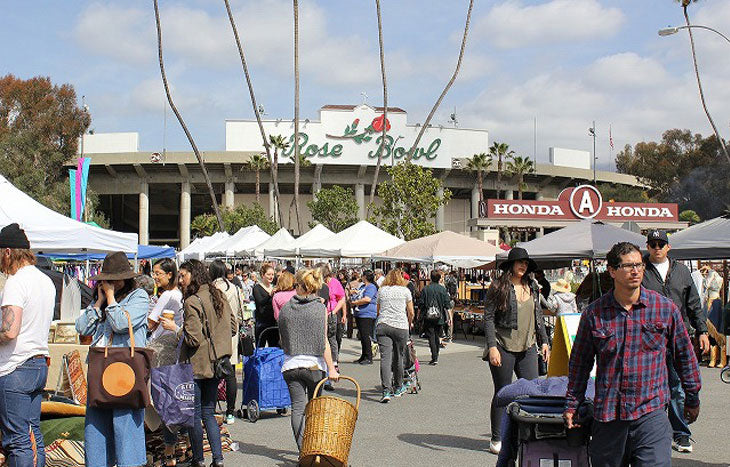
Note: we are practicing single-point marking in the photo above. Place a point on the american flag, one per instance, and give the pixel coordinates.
(610, 137)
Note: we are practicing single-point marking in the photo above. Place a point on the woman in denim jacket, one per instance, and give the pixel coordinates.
(115, 436)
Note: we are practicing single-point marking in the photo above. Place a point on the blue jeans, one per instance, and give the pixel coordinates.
(644, 442)
(676, 406)
(20, 408)
(206, 393)
(114, 437)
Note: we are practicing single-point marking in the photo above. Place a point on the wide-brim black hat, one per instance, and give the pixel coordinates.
(516, 254)
(115, 268)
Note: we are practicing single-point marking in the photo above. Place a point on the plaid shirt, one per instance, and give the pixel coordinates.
(631, 348)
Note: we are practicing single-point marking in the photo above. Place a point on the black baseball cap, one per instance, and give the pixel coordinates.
(657, 235)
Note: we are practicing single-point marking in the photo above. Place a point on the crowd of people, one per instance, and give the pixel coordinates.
(203, 313)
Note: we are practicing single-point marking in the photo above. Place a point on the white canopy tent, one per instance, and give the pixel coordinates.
(197, 249)
(51, 232)
(317, 234)
(444, 247)
(280, 239)
(244, 239)
(361, 240)
(708, 240)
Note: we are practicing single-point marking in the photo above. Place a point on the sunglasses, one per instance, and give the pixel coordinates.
(657, 244)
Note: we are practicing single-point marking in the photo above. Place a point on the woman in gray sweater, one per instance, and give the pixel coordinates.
(303, 333)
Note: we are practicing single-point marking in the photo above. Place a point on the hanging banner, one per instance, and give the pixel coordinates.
(78, 179)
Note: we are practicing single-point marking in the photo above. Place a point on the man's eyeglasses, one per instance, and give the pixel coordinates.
(628, 267)
(655, 244)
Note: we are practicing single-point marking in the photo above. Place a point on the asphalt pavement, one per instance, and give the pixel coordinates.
(447, 423)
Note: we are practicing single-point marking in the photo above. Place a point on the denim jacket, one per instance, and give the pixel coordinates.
(495, 316)
(89, 323)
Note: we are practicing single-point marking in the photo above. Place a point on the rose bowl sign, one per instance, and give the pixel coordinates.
(583, 202)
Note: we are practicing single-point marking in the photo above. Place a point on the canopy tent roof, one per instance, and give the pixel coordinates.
(585, 239)
(280, 239)
(444, 247)
(197, 249)
(361, 240)
(708, 240)
(143, 252)
(317, 234)
(245, 238)
(49, 231)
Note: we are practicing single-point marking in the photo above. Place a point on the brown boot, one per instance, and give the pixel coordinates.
(713, 356)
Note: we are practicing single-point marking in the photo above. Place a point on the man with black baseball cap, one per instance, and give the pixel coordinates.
(27, 310)
(673, 280)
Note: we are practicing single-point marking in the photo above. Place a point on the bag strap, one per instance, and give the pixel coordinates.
(131, 337)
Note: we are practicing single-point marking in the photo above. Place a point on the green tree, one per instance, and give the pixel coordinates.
(335, 208)
(234, 220)
(624, 193)
(520, 166)
(257, 163)
(690, 216)
(409, 201)
(501, 152)
(40, 126)
(479, 163)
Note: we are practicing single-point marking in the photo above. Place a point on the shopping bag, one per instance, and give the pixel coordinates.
(173, 393)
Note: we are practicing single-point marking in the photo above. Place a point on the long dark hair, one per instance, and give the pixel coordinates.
(499, 292)
(168, 267)
(199, 276)
(129, 286)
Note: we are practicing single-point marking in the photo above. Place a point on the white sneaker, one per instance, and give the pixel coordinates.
(230, 420)
(495, 446)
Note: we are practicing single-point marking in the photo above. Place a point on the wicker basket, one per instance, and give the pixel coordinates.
(328, 430)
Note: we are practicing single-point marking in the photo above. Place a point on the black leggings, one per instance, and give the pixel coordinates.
(365, 329)
(524, 365)
(231, 390)
(433, 331)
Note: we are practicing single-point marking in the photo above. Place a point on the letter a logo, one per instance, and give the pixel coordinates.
(586, 202)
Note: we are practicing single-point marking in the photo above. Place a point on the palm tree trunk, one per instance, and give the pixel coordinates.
(409, 156)
(201, 162)
(385, 108)
(258, 186)
(480, 182)
(521, 181)
(699, 85)
(296, 114)
(499, 176)
(275, 180)
(256, 112)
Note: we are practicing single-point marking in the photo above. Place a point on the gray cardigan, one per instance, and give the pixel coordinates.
(302, 326)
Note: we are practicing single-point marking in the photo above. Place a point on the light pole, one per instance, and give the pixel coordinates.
(673, 30)
(592, 132)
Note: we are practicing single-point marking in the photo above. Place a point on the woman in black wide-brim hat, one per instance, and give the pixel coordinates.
(514, 329)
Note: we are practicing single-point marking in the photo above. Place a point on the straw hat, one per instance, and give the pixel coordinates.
(115, 267)
(561, 286)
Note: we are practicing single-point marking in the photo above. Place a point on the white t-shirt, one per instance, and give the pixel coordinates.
(170, 300)
(662, 268)
(392, 300)
(35, 293)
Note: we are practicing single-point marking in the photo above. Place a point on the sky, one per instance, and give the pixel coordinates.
(559, 63)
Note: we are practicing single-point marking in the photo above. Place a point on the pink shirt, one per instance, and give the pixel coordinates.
(337, 293)
(280, 299)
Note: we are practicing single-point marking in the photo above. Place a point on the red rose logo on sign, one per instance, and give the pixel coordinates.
(586, 201)
(378, 124)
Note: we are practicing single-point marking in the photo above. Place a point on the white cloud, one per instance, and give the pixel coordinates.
(627, 72)
(512, 24)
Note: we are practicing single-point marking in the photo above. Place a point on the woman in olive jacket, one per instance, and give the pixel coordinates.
(208, 325)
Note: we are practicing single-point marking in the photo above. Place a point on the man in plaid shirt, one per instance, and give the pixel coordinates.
(628, 331)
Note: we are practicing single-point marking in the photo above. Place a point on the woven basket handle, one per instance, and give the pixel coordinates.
(357, 386)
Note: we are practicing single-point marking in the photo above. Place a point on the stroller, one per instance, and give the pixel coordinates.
(536, 434)
(264, 387)
(411, 367)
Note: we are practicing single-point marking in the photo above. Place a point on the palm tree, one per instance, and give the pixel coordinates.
(479, 163)
(257, 163)
(303, 160)
(280, 145)
(446, 89)
(685, 4)
(520, 166)
(296, 114)
(500, 151)
(385, 108)
(201, 162)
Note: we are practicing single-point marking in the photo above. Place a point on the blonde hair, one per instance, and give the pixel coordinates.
(285, 282)
(395, 277)
(16, 258)
(310, 280)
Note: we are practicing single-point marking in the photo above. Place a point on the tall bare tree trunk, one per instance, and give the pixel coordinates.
(499, 175)
(256, 112)
(258, 186)
(201, 162)
(699, 84)
(296, 114)
(409, 156)
(385, 109)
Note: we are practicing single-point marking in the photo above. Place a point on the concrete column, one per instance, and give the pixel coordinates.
(360, 197)
(144, 213)
(273, 212)
(541, 232)
(228, 197)
(440, 212)
(509, 194)
(475, 202)
(184, 214)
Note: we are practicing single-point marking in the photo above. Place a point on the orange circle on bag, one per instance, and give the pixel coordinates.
(118, 379)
